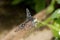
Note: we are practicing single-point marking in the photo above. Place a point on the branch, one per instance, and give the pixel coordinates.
(12, 35)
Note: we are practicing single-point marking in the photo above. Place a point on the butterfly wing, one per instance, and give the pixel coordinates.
(28, 13)
(29, 17)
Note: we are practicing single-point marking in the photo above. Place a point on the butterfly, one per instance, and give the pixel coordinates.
(29, 18)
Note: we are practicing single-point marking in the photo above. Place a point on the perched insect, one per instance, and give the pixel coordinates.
(29, 18)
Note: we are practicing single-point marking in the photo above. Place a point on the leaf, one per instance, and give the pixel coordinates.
(14, 2)
(58, 21)
(58, 1)
(56, 29)
(56, 24)
(56, 14)
(50, 9)
(36, 5)
(39, 5)
(55, 33)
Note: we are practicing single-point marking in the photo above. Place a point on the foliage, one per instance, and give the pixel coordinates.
(50, 8)
(56, 25)
(56, 14)
(55, 18)
(58, 1)
(37, 5)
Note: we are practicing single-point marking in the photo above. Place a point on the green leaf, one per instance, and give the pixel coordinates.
(58, 1)
(56, 14)
(50, 9)
(55, 33)
(39, 5)
(14, 2)
(56, 29)
(58, 20)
